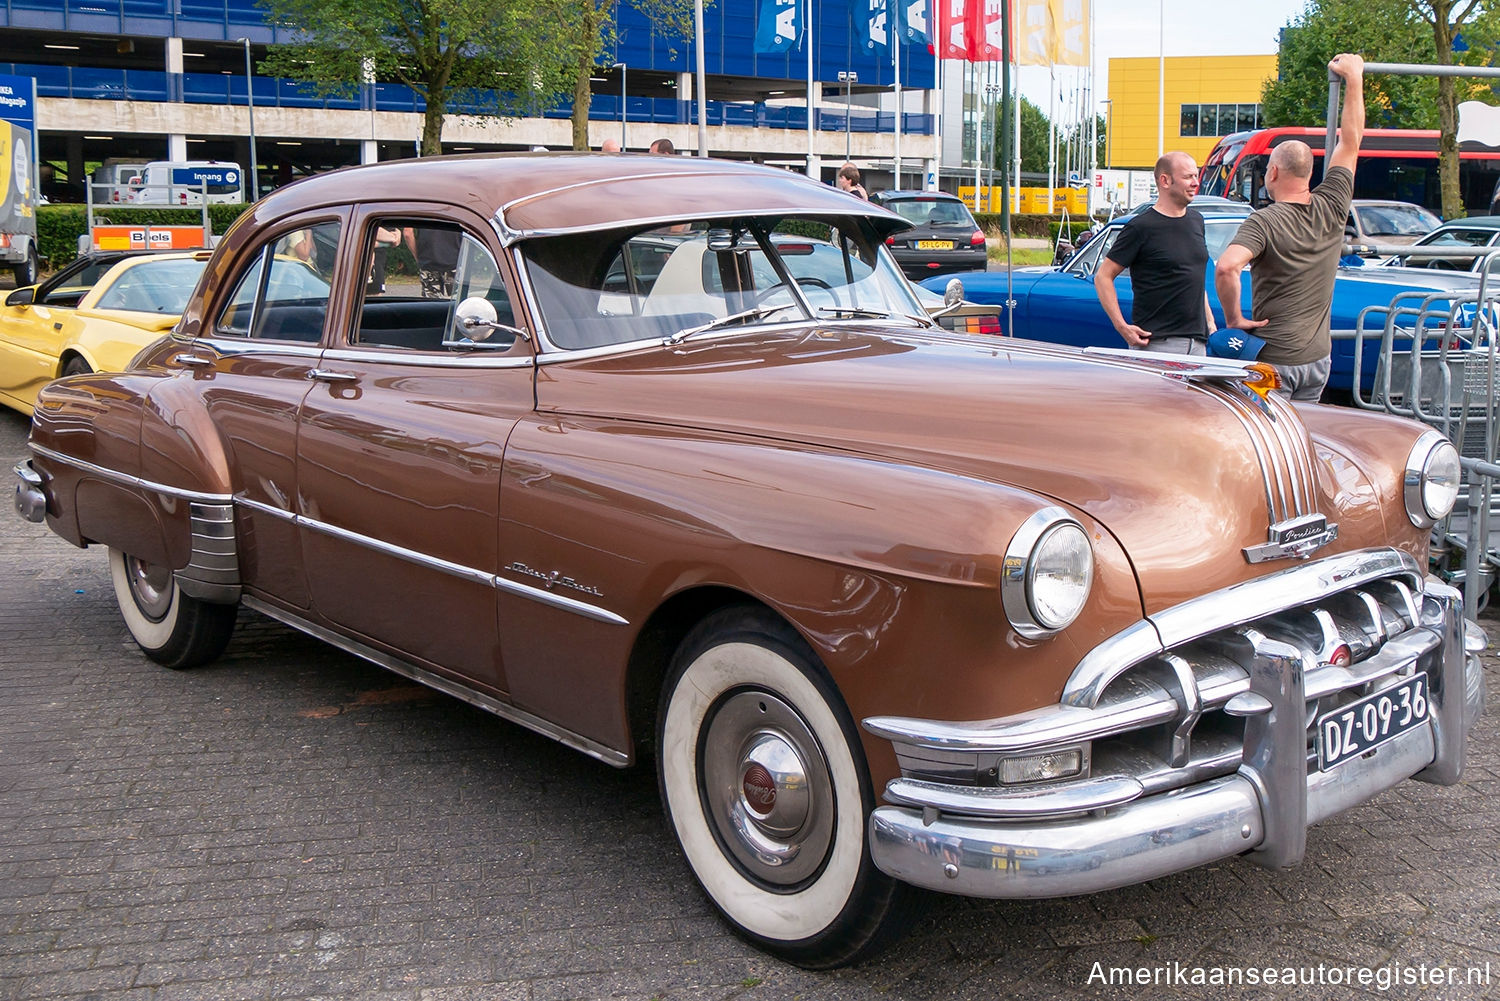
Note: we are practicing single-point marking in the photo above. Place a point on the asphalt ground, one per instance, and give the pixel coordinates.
(291, 822)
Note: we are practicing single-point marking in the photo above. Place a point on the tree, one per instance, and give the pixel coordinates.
(496, 54)
(592, 33)
(1446, 18)
(1387, 31)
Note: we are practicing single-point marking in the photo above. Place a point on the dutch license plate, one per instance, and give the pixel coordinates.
(934, 244)
(1352, 730)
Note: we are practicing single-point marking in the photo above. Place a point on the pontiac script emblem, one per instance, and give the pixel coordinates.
(1296, 538)
(553, 579)
(759, 788)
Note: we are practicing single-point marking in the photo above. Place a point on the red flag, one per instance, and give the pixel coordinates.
(982, 30)
(950, 21)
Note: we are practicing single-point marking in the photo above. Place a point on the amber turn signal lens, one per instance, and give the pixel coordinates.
(1262, 379)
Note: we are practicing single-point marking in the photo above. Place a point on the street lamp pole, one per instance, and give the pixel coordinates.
(1109, 123)
(250, 107)
(848, 78)
(621, 67)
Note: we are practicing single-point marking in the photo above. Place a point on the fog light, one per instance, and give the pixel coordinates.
(1059, 764)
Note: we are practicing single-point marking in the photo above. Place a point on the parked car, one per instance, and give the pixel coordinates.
(93, 315)
(887, 606)
(1059, 304)
(1377, 221)
(1217, 204)
(1477, 232)
(943, 237)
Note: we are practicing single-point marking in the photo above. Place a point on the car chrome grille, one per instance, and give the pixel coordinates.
(1161, 722)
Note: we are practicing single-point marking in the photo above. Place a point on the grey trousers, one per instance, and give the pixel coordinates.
(1304, 382)
(1176, 345)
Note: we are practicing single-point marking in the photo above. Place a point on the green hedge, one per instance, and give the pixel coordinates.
(58, 227)
(1035, 226)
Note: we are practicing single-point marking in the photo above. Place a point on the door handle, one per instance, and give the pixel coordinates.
(192, 361)
(324, 375)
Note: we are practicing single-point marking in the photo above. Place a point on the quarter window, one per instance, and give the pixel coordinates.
(283, 294)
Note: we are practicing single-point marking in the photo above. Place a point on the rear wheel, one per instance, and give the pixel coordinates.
(25, 272)
(766, 787)
(172, 629)
(76, 366)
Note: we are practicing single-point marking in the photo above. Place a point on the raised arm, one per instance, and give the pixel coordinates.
(1351, 68)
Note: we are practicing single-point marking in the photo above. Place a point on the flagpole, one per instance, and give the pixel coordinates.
(807, 36)
(1051, 139)
(937, 119)
(896, 46)
(1006, 109)
(698, 84)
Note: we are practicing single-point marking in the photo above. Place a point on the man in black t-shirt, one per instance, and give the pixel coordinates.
(1165, 252)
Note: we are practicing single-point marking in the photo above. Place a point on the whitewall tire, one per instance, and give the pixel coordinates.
(765, 785)
(172, 629)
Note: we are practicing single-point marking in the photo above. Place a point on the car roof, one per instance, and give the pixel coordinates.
(895, 193)
(546, 194)
(1473, 222)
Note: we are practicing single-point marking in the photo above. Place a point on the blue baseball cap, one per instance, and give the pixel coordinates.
(1229, 342)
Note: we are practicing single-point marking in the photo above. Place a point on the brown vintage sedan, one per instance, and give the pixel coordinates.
(660, 457)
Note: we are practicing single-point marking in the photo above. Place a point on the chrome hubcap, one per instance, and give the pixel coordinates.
(767, 788)
(150, 586)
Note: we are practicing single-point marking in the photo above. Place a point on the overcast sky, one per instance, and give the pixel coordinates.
(1126, 28)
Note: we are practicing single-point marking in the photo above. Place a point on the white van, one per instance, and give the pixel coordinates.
(181, 182)
(111, 180)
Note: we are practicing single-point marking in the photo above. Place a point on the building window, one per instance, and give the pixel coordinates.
(1218, 119)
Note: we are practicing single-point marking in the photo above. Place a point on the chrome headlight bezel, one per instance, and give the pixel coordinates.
(1026, 554)
(1432, 479)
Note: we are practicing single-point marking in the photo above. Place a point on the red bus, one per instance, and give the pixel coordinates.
(1400, 164)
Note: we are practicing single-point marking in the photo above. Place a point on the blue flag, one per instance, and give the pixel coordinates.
(780, 26)
(878, 34)
(911, 22)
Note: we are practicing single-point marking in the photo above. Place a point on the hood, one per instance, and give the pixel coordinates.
(1169, 468)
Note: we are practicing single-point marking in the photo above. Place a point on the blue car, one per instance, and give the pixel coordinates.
(1058, 304)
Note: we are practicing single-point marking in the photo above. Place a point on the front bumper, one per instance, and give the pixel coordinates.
(988, 842)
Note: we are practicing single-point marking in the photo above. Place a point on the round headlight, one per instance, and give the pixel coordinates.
(1049, 568)
(1433, 475)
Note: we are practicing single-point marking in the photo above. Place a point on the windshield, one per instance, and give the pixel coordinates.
(932, 212)
(1396, 220)
(154, 287)
(617, 286)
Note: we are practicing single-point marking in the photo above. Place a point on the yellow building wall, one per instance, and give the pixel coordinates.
(1132, 115)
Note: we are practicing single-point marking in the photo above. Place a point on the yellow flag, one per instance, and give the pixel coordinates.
(1070, 41)
(1033, 34)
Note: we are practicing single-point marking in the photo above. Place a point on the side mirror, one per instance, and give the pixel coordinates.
(22, 296)
(953, 292)
(1085, 269)
(475, 318)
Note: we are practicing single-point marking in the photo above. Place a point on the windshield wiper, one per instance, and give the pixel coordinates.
(860, 311)
(723, 321)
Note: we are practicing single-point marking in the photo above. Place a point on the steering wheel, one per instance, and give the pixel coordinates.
(809, 280)
(1441, 264)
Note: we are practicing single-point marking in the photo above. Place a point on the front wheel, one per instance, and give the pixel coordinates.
(766, 787)
(172, 629)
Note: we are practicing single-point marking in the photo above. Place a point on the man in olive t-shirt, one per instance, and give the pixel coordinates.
(1293, 248)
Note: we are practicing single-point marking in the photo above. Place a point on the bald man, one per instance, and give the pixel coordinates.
(1293, 248)
(1164, 250)
(610, 146)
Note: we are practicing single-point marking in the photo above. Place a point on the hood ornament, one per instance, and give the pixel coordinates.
(1295, 538)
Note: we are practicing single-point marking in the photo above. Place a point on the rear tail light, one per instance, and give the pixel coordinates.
(977, 240)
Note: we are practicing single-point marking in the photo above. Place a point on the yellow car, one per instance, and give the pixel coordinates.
(92, 316)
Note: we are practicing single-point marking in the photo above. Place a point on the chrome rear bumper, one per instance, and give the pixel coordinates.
(959, 843)
(31, 498)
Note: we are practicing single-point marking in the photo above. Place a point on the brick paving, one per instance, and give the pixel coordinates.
(291, 822)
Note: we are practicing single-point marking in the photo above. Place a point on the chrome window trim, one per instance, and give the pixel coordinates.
(128, 480)
(505, 710)
(243, 345)
(458, 570)
(428, 359)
